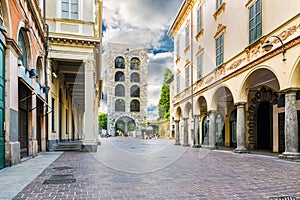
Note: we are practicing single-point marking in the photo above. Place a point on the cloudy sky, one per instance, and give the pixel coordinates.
(145, 22)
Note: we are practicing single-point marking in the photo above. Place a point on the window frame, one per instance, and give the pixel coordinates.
(199, 19)
(70, 12)
(218, 4)
(135, 106)
(219, 49)
(122, 107)
(22, 44)
(178, 83)
(255, 21)
(187, 36)
(199, 65)
(187, 76)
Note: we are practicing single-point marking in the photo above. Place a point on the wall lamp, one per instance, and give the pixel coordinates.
(268, 46)
(46, 89)
(32, 73)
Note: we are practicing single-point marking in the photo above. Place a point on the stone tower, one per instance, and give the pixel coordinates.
(126, 89)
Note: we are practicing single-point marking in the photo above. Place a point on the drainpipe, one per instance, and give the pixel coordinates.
(46, 71)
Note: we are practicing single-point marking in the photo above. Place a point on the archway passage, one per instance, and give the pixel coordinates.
(264, 126)
(125, 126)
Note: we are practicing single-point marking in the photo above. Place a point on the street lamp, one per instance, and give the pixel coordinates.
(268, 46)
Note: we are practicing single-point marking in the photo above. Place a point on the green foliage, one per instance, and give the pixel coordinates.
(102, 120)
(164, 101)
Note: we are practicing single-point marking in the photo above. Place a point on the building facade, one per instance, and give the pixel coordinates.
(126, 89)
(22, 81)
(75, 49)
(228, 89)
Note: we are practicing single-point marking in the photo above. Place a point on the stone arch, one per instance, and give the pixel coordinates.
(120, 62)
(24, 44)
(178, 114)
(200, 105)
(222, 99)
(120, 105)
(125, 125)
(135, 63)
(135, 77)
(257, 76)
(135, 105)
(294, 81)
(187, 109)
(119, 76)
(135, 91)
(120, 90)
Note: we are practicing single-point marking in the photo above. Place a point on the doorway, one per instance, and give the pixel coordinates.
(264, 126)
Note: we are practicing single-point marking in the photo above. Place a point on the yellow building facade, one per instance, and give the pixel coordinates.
(237, 75)
(75, 49)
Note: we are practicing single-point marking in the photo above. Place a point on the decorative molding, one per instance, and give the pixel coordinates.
(287, 33)
(199, 84)
(248, 3)
(220, 28)
(177, 71)
(219, 10)
(187, 49)
(200, 49)
(73, 41)
(209, 80)
(220, 71)
(187, 62)
(236, 63)
(199, 34)
(177, 60)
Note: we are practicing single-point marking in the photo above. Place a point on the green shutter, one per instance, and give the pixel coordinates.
(255, 21)
(2, 105)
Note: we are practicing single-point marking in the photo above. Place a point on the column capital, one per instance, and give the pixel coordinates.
(240, 104)
(185, 118)
(177, 120)
(290, 90)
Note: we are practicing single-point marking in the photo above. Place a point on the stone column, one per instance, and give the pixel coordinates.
(177, 134)
(185, 132)
(196, 132)
(212, 130)
(90, 133)
(241, 129)
(291, 127)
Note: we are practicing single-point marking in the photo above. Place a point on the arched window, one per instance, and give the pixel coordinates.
(135, 91)
(21, 43)
(134, 106)
(135, 64)
(135, 77)
(119, 76)
(120, 105)
(120, 91)
(39, 70)
(120, 63)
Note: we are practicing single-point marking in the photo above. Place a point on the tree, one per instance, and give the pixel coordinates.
(164, 101)
(102, 120)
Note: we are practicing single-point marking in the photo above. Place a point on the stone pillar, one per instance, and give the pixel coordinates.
(241, 129)
(185, 132)
(177, 134)
(291, 127)
(212, 130)
(90, 132)
(196, 132)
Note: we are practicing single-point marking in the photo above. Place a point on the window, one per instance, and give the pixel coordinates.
(187, 76)
(135, 64)
(255, 27)
(178, 83)
(178, 46)
(199, 19)
(134, 106)
(1, 15)
(220, 49)
(120, 105)
(187, 34)
(199, 65)
(119, 76)
(69, 9)
(21, 43)
(135, 91)
(218, 4)
(135, 77)
(39, 70)
(120, 63)
(53, 115)
(120, 91)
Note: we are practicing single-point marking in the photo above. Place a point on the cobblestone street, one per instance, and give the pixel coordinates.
(125, 168)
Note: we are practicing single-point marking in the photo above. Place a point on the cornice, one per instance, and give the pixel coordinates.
(199, 34)
(181, 16)
(11, 44)
(74, 40)
(220, 28)
(219, 10)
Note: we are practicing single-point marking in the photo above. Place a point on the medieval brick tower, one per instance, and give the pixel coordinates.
(126, 89)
